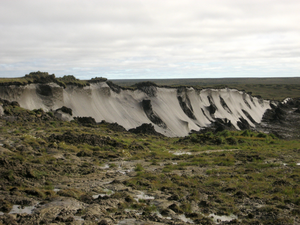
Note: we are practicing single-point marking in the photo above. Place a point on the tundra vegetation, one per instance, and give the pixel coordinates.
(97, 173)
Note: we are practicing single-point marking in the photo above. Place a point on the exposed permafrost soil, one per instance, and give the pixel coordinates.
(173, 112)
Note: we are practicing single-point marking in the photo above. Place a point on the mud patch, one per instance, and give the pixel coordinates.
(18, 209)
(183, 218)
(143, 196)
(180, 153)
(218, 219)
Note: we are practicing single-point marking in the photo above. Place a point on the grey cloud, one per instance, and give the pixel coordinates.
(132, 37)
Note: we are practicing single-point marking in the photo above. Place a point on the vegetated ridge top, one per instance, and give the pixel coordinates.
(45, 77)
(266, 88)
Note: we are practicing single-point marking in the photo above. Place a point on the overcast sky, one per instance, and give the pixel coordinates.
(123, 39)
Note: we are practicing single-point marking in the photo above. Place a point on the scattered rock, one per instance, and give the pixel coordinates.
(63, 113)
(145, 128)
(116, 127)
(65, 110)
(85, 120)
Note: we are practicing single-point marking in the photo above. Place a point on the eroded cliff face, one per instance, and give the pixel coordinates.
(172, 111)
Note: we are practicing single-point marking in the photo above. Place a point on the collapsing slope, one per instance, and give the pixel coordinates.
(172, 111)
(190, 109)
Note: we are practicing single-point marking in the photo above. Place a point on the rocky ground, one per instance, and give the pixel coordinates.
(68, 202)
(56, 172)
(103, 196)
(100, 196)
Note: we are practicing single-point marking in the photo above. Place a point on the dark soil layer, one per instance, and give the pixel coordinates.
(267, 88)
(283, 120)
